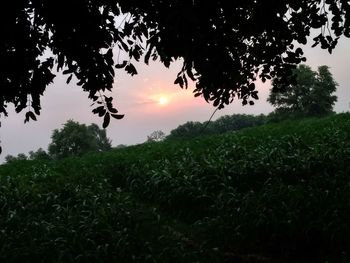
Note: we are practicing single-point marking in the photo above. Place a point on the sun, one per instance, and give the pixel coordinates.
(163, 100)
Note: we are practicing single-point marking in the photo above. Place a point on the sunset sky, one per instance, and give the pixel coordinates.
(150, 101)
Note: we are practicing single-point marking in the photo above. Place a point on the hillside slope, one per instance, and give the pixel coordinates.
(278, 192)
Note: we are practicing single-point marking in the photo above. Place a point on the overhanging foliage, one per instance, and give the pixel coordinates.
(225, 45)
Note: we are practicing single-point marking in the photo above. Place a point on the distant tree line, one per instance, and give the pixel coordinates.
(221, 125)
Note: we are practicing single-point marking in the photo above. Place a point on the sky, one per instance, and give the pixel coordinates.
(150, 101)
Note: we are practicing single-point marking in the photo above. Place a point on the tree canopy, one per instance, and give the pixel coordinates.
(310, 95)
(76, 139)
(226, 123)
(156, 136)
(224, 45)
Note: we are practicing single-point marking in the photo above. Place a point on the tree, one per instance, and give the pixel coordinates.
(156, 136)
(40, 154)
(100, 138)
(310, 95)
(189, 129)
(20, 157)
(224, 45)
(121, 146)
(10, 158)
(236, 122)
(221, 125)
(77, 139)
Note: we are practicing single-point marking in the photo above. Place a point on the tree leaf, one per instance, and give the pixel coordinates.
(255, 95)
(67, 71)
(122, 65)
(148, 54)
(251, 86)
(113, 110)
(185, 81)
(106, 120)
(69, 78)
(190, 74)
(131, 69)
(98, 109)
(102, 112)
(216, 102)
(37, 110)
(118, 116)
(29, 115)
(179, 81)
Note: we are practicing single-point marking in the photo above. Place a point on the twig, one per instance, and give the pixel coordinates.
(206, 125)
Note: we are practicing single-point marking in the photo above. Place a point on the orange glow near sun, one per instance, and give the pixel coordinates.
(163, 100)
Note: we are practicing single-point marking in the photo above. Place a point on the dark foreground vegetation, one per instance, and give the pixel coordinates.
(273, 193)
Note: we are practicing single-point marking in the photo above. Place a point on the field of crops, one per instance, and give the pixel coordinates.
(275, 193)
